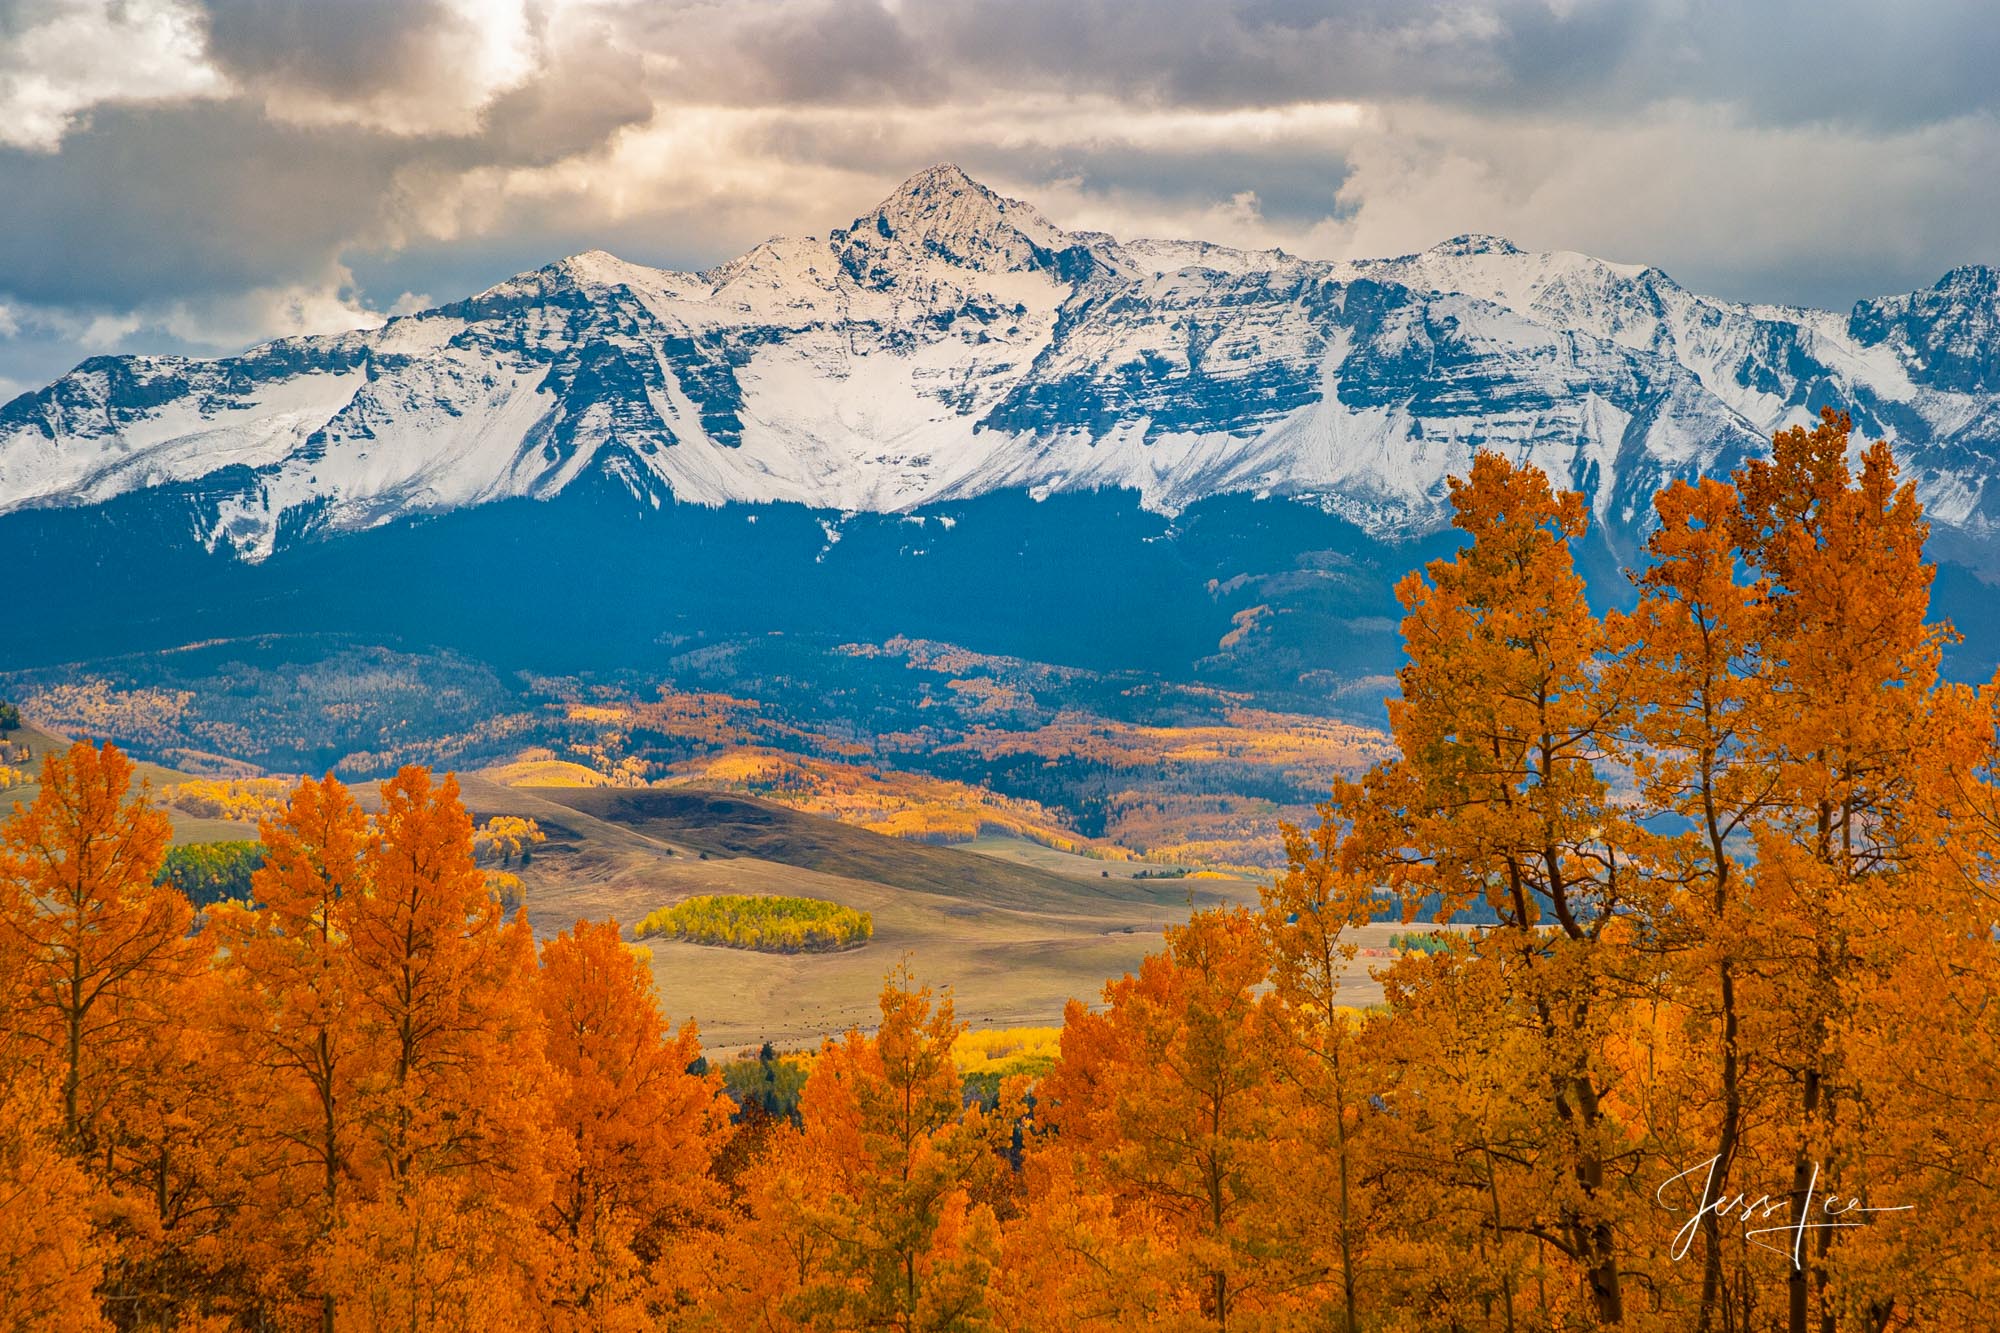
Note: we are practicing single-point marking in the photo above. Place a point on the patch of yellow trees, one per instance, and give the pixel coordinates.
(245, 800)
(770, 924)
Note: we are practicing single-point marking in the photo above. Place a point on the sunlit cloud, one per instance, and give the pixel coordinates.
(474, 52)
(63, 60)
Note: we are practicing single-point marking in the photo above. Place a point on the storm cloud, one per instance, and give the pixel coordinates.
(199, 174)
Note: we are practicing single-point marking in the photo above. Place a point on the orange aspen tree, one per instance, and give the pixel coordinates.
(100, 941)
(1306, 914)
(643, 1131)
(444, 993)
(880, 1202)
(1511, 708)
(1693, 676)
(1171, 1102)
(1921, 1041)
(1471, 1199)
(1849, 661)
(113, 992)
(292, 1029)
(185, 1165)
(778, 1249)
(1074, 1260)
(428, 1257)
(450, 1103)
(52, 1255)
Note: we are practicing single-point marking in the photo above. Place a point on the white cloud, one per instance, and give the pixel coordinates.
(104, 333)
(1688, 187)
(729, 176)
(233, 321)
(72, 55)
(220, 324)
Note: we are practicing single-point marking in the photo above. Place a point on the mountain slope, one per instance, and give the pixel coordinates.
(951, 343)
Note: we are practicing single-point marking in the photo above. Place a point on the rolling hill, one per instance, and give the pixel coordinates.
(1014, 941)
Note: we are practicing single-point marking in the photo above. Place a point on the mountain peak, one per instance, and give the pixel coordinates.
(1950, 330)
(943, 199)
(952, 342)
(942, 213)
(1476, 243)
(1969, 280)
(944, 179)
(594, 266)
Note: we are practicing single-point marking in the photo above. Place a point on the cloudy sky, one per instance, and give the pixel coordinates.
(196, 175)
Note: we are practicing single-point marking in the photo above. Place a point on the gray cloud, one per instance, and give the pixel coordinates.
(849, 50)
(1855, 62)
(140, 206)
(200, 173)
(345, 49)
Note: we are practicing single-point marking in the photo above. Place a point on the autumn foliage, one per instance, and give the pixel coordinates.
(771, 924)
(1723, 1059)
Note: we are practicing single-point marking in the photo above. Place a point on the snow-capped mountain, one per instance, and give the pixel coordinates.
(952, 343)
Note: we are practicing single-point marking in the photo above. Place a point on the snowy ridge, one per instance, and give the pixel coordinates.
(951, 343)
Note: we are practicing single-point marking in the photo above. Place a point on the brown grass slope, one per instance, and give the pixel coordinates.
(187, 828)
(727, 825)
(1013, 941)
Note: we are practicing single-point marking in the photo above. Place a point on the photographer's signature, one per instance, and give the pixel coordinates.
(1834, 1213)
